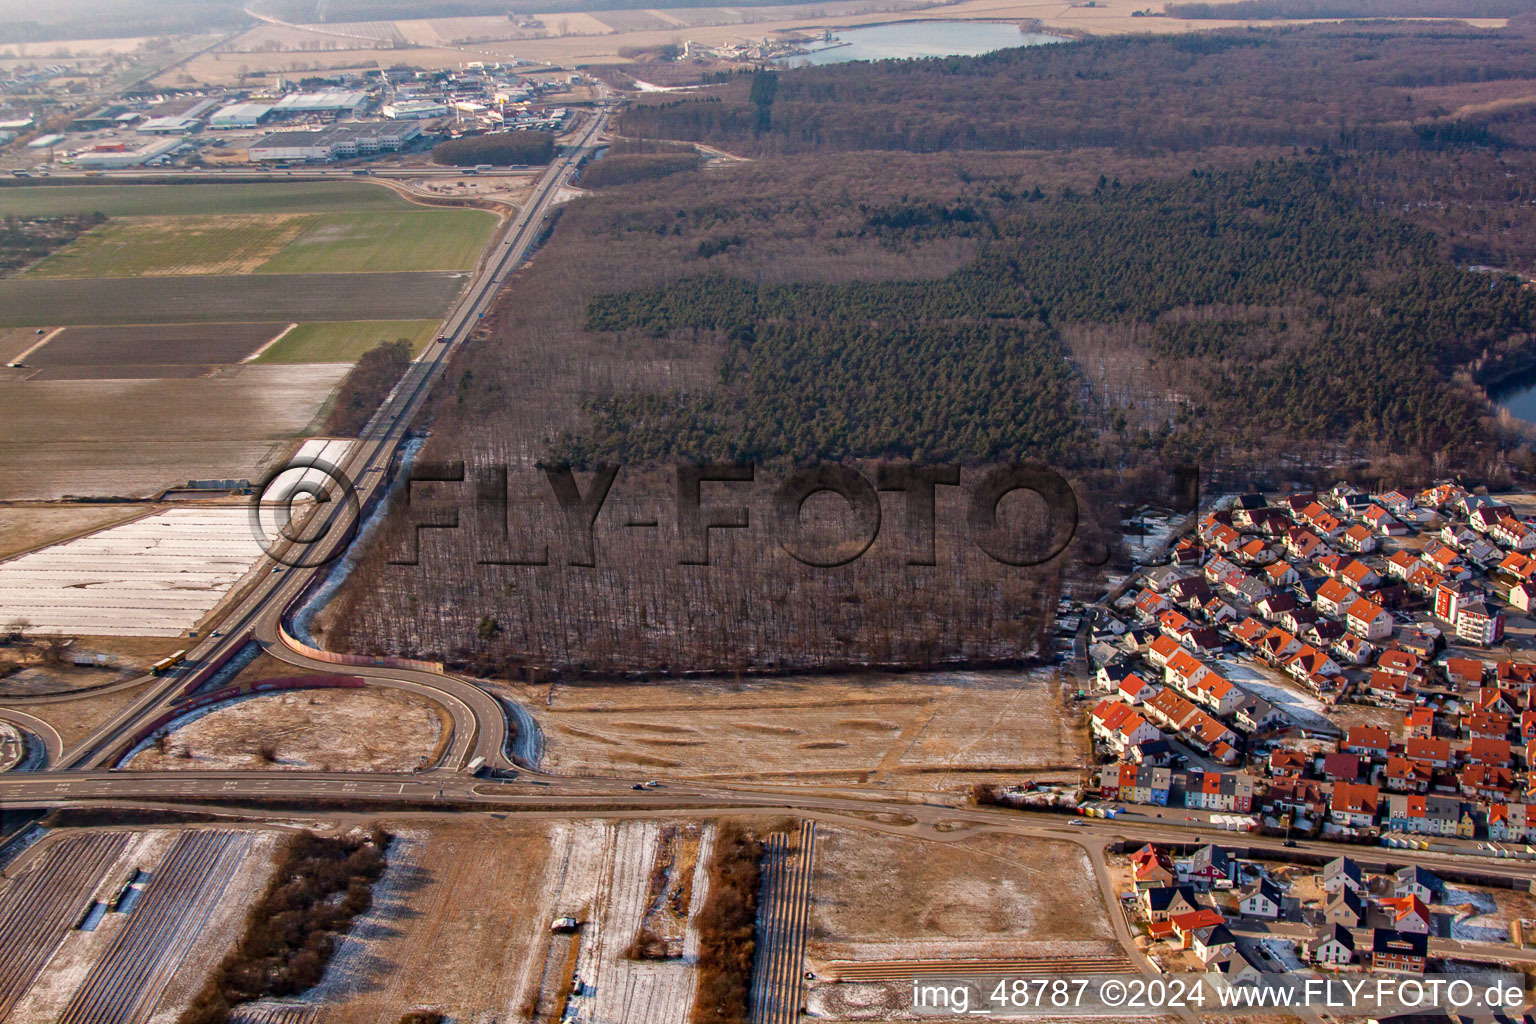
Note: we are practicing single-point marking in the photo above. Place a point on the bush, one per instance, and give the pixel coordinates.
(501, 150)
(366, 385)
(728, 929)
(292, 929)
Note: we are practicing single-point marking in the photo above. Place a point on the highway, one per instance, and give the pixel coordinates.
(259, 611)
(82, 773)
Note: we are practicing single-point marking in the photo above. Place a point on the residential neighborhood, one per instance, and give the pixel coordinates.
(1337, 665)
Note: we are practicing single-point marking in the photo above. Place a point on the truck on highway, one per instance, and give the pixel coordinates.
(473, 768)
(165, 664)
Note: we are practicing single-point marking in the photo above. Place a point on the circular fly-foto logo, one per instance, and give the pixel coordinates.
(297, 507)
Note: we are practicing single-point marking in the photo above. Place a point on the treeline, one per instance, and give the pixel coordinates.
(630, 168)
(318, 887)
(727, 927)
(25, 240)
(366, 385)
(391, 10)
(502, 149)
(1333, 86)
(1263, 10)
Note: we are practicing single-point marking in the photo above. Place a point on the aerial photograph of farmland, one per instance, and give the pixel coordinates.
(565, 512)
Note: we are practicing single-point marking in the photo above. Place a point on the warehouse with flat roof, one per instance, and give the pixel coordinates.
(331, 101)
(239, 115)
(339, 142)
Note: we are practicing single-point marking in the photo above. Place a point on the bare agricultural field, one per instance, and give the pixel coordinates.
(175, 246)
(365, 730)
(137, 437)
(876, 896)
(16, 340)
(459, 924)
(24, 527)
(195, 198)
(280, 298)
(146, 964)
(947, 729)
(148, 350)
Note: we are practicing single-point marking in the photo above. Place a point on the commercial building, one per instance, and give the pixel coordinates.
(414, 110)
(117, 158)
(341, 102)
(340, 142)
(239, 115)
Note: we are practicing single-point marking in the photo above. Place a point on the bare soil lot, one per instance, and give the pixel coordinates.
(148, 351)
(24, 527)
(305, 730)
(136, 437)
(459, 924)
(282, 298)
(945, 729)
(876, 896)
(74, 719)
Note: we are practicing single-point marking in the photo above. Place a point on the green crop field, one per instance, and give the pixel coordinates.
(275, 243)
(199, 198)
(338, 342)
(370, 243)
(169, 246)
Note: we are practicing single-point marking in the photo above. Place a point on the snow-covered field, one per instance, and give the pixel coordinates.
(1482, 922)
(155, 576)
(1302, 708)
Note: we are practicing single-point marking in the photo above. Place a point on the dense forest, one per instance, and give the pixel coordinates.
(629, 161)
(1261, 10)
(1352, 87)
(503, 149)
(1257, 310)
(970, 366)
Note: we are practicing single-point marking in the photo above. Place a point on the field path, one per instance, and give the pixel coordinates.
(778, 967)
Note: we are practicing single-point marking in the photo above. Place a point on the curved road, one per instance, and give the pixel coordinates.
(479, 724)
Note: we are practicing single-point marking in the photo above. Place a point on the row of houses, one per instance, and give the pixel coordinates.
(1353, 596)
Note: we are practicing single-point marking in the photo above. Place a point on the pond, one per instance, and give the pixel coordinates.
(918, 39)
(1519, 397)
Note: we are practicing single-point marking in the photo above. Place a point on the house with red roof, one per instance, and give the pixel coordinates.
(1404, 776)
(1359, 538)
(1433, 752)
(1368, 619)
(1354, 804)
(1367, 740)
(1334, 596)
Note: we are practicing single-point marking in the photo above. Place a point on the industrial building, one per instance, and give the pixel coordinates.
(339, 142)
(101, 117)
(415, 110)
(239, 115)
(179, 125)
(117, 158)
(341, 102)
